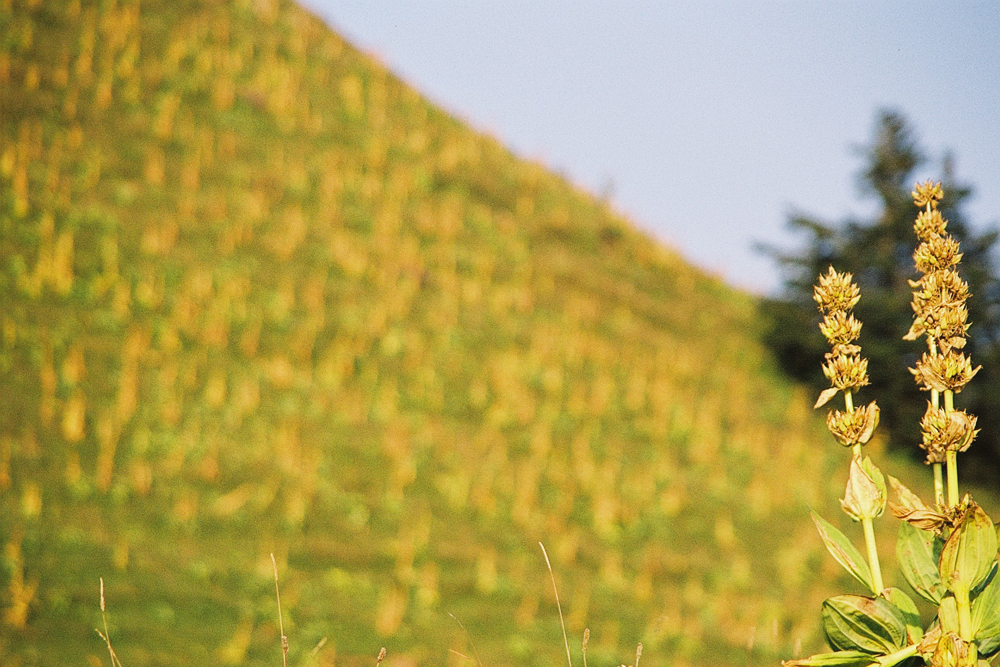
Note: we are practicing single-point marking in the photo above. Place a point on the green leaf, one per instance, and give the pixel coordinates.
(909, 613)
(844, 552)
(948, 614)
(988, 648)
(976, 590)
(838, 659)
(871, 625)
(986, 612)
(968, 555)
(918, 552)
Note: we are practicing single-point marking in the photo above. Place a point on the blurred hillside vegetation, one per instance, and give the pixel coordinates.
(257, 295)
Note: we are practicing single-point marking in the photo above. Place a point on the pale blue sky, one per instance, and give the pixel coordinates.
(710, 120)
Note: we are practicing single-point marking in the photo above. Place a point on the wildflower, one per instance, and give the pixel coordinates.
(927, 193)
(847, 372)
(945, 431)
(929, 224)
(840, 328)
(853, 427)
(944, 372)
(937, 253)
(836, 292)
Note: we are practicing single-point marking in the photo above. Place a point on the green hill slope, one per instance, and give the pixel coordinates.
(257, 295)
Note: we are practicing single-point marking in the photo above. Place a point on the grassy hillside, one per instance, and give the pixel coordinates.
(257, 295)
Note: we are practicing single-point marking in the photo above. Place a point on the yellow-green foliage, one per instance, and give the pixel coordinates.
(258, 295)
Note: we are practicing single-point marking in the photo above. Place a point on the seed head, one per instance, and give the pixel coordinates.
(853, 428)
(847, 372)
(946, 431)
(840, 328)
(946, 324)
(927, 193)
(936, 254)
(929, 224)
(947, 371)
(836, 291)
(936, 292)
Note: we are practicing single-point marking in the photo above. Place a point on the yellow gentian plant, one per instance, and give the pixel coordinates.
(947, 552)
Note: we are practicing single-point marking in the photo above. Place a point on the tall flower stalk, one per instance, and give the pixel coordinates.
(847, 371)
(947, 552)
(940, 314)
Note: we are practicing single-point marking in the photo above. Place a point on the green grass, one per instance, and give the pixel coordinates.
(260, 296)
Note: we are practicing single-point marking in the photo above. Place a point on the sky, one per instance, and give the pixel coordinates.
(707, 123)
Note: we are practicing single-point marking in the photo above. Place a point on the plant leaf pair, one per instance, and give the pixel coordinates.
(871, 625)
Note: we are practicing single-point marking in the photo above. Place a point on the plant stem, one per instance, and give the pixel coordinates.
(938, 475)
(951, 456)
(899, 656)
(938, 485)
(952, 462)
(964, 613)
(873, 554)
(866, 522)
(849, 405)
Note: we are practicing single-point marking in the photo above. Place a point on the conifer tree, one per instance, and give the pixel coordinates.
(878, 252)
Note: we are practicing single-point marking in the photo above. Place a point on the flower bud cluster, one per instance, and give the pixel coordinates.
(939, 296)
(853, 427)
(845, 368)
(837, 295)
(940, 314)
(945, 431)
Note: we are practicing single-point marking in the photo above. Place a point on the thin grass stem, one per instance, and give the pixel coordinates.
(281, 622)
(558, 606)
(106, 636)
(469, 637)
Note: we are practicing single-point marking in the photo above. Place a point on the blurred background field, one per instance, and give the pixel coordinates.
(258, 295)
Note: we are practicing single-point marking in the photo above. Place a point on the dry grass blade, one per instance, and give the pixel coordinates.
(471, 642)
(318, 646)
(281, 622)
(562, 621)
(106, 636)
(586, 641)
(638, 654)
(461, 655)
